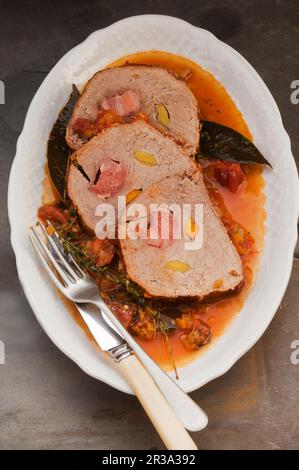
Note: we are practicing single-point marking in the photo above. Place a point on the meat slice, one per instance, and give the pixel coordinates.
(173, 272)
(120, 161)
(150, 90)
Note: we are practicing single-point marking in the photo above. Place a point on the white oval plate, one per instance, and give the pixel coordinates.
(262, 115)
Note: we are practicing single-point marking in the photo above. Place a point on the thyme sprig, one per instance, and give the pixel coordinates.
(85, 261)
(164, 328)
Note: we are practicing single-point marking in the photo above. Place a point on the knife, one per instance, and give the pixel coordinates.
(111, 341)
(153, 401)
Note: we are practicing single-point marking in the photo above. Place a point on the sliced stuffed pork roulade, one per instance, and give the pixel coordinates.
(122, 161)
(163, 266)
(132, 92)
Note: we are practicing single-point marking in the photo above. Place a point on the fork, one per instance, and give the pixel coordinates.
(79, 287)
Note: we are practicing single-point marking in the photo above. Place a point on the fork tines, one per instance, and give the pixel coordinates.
(52, 254)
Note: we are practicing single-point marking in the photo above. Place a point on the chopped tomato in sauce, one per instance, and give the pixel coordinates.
(229, 174)
(144, 328)
(87, 128)
(103, 250)
(53, 214)
(198, 336)
(123, 312)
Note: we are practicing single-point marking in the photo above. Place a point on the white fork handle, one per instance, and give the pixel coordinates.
(169, 428)
(189, 413)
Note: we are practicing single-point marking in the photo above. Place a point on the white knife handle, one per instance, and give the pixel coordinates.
(169, 428)
(190, 414)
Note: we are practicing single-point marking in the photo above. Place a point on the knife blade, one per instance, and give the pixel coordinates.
(105, 335)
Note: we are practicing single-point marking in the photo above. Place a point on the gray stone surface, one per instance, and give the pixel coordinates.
(45, 400)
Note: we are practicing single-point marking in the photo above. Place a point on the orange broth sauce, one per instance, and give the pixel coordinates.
(246, 206)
